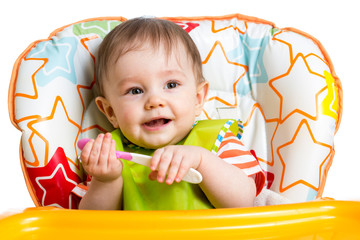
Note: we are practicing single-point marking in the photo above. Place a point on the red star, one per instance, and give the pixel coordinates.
(188, 26)
(53, 183)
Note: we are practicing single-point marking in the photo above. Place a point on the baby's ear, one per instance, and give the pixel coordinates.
(105, 107)
(201, 94)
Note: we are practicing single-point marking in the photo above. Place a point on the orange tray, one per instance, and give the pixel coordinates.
(310, 220)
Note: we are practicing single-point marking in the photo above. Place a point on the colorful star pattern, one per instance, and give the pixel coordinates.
(188, 26)
(100, 28)
(277, 81)
(54, 182)
(303, 140)
(48, 129)
(60, 60)
(250, 53)
(232, 71)
(304, 100)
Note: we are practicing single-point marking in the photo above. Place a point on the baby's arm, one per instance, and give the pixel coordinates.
(224, 184)
(99, 160)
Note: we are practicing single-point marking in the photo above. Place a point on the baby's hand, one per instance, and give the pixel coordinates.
(99, 160)
(175, 161)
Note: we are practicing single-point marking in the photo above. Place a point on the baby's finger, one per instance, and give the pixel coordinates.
(85, 152)
(165, 160)
(95, 151)
(156, 159)
(112, 156)
(183, 170)
(105, 150)
(173, 168)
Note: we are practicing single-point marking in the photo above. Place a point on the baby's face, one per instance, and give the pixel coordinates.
(154, 97)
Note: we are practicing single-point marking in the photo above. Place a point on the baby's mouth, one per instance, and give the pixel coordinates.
(157, 122)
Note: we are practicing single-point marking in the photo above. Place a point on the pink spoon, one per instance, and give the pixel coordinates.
(192, 175)
(123, 155)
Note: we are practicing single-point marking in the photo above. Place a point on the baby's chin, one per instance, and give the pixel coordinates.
(155, 143)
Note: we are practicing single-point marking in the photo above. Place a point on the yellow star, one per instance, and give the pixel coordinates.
(330, 104)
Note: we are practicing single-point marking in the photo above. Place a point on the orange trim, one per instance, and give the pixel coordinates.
(224, 17)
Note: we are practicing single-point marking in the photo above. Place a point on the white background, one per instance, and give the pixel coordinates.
(335, 23)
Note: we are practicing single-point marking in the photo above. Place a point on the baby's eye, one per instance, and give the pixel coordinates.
(171, 85)
(135, 91)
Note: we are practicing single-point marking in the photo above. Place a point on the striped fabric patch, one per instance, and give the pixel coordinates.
(221, 135)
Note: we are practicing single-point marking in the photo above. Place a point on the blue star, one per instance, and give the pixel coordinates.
(250, 53)
(60, 54)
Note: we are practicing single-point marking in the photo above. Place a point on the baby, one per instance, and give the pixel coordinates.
(151, 88)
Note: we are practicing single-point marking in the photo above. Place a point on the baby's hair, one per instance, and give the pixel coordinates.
(132, 34)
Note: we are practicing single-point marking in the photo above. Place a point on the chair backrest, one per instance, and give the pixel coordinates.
(279, 82)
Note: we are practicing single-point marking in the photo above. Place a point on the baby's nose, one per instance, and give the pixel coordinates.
(155, 101)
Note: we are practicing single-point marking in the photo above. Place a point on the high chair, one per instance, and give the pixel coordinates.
(279, 83)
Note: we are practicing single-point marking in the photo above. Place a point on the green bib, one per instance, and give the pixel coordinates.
(140, 193)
